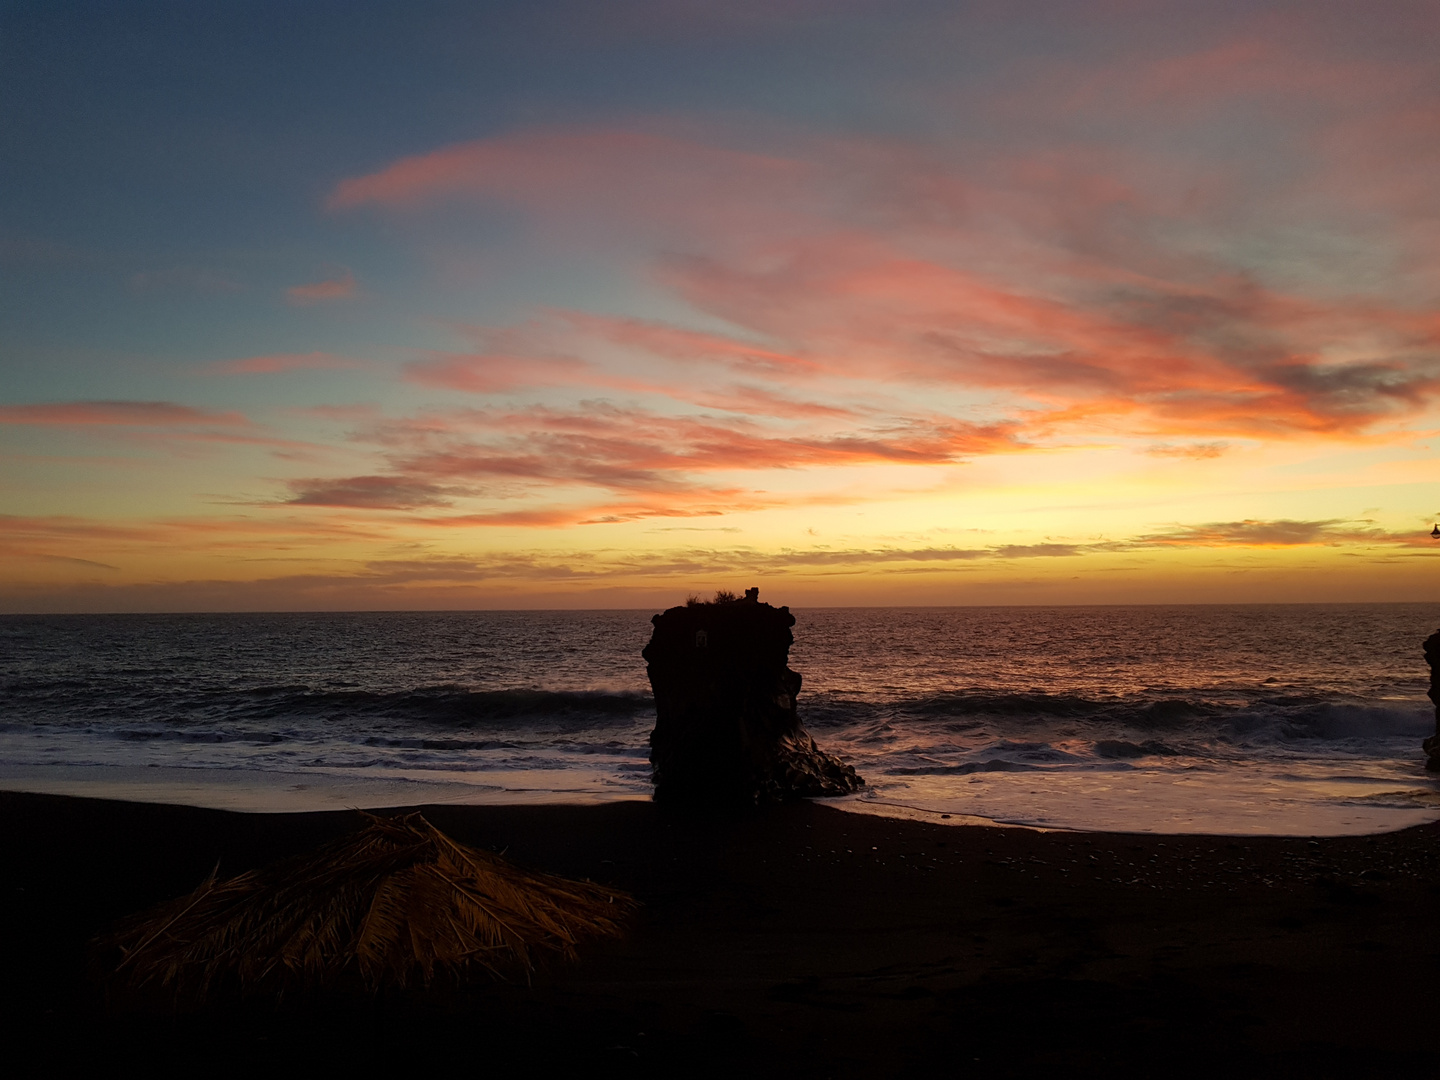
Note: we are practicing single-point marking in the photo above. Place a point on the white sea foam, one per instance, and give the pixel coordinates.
(275, 791)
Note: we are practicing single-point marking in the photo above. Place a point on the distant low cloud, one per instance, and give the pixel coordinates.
(1274, 533)
(1197, 451)
(371, 493)
(430, 578)
(342, 287)
(68, 560)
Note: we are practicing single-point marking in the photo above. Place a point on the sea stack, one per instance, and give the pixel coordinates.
(1432, 744)
(726, 727)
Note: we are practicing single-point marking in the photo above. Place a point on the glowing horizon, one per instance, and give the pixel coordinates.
(859, 303)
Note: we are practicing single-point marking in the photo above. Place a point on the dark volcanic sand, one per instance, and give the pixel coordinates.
(801, 941)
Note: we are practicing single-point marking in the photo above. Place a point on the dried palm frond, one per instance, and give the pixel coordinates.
(396, 902)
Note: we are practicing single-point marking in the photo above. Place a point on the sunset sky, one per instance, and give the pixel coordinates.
(600, 303)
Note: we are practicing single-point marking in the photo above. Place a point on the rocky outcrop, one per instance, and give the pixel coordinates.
(1432, 744)
(726, 726)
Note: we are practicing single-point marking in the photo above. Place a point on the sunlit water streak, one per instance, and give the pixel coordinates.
(1257, 719)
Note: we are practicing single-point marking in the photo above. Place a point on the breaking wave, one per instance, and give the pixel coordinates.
(1044, 715)
(1257, 718)
(444, 706)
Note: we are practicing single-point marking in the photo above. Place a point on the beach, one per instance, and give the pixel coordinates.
(884, 539)
(799, 941)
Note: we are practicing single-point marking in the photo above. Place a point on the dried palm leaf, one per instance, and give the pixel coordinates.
(396, 903)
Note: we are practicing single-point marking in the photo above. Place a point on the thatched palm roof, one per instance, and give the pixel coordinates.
(396, 903)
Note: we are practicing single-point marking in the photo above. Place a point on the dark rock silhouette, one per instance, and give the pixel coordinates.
(1432, 744)
(726, 727)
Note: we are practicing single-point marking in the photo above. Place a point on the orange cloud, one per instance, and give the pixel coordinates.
(1227, 358)
(1045, 275)
(657, 463)
(1107, 322)
(1192, 450)
(876, 301)
(632, 449)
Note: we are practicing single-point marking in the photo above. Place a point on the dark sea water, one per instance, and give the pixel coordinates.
(1241, 719)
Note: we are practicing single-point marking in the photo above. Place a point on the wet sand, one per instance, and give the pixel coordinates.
(802, 941)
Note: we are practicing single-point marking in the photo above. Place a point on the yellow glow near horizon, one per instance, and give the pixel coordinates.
(1132, 314)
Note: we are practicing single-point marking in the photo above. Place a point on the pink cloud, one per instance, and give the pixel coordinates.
(113, 413)
(607, 188)
(541, 168)
(1274, 61)
(162, 426)
(677, 343)
(278, 362)
(855, 290)
(322, 292)
(356, 413)
(565, 349)
(760, 402)
(1205, 359)
(845, 314)
(1225, 356)
(492, 373)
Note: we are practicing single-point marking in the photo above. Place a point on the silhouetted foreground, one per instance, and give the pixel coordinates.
(726, 727)
(395, 903)
(799, 941)
(1432, 744)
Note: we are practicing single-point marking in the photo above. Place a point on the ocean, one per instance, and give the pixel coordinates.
(1254, 719)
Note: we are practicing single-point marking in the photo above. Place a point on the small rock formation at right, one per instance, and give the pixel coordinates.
(726, 729)
(1431, 745)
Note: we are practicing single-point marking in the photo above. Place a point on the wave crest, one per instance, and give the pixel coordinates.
(450, 706)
